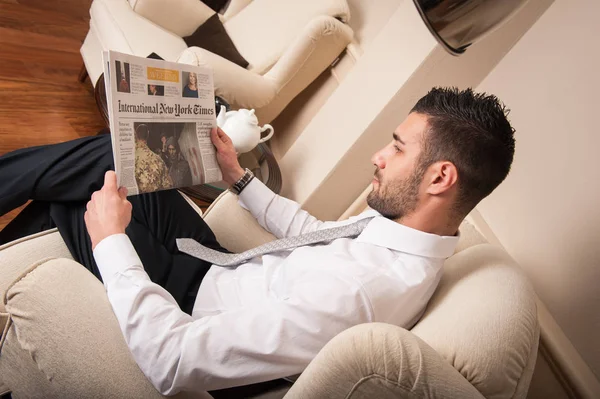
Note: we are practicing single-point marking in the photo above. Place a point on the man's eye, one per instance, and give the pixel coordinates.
(396, 148)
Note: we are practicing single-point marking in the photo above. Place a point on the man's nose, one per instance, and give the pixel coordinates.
(378, 159)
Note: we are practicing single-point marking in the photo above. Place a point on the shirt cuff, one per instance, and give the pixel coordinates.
(256, 196)
(114, 255)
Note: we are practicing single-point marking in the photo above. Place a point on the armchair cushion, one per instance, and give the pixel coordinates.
(212, 36)
(181, 17)
(117, 27)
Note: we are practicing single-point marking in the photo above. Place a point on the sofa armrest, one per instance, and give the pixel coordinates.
(119, 28)
(240, 87)
(64, 341)
(235, 228)
(377, 360)
(320, 43)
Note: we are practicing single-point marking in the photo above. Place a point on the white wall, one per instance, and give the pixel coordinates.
(367, 18)
(328, 165)
(547, 213)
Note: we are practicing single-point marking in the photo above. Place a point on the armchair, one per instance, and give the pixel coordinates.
(478, 337)
(287, 43)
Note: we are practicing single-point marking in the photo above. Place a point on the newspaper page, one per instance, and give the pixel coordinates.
(161, 114)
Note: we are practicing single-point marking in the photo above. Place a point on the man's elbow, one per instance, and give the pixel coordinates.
(162, 375)
(163, 383)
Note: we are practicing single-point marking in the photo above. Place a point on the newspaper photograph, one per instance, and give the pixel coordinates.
(161, 114)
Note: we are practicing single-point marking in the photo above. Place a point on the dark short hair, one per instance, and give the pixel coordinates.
(472, 131)
(142, 132)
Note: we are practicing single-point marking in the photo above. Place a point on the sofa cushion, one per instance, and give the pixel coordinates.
(212, 36)
(482, 319)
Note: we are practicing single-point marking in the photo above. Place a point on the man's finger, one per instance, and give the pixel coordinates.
(123, 192)
(222, 135)
(214, 137)
(110, 180)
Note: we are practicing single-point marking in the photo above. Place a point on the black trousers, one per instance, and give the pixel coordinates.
(60, 180)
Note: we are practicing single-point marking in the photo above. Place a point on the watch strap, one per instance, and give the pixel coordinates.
(239, 185)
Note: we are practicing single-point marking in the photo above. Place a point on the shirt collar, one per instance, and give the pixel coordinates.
(387, 233)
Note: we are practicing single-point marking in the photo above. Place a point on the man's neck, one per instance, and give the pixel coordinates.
(433, 223)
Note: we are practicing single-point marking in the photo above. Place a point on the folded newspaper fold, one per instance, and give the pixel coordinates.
(161, 114)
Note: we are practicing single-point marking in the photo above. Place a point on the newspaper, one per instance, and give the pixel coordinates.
(161, 114)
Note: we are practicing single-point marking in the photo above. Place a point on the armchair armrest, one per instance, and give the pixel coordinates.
(120, 28)
(64, 340)
(235, 228)
(377, 360)
(320, 43)
(238, 86)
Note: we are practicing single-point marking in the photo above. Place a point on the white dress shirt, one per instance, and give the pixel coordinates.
(269, 317)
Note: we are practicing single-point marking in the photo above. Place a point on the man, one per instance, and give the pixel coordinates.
(268, 317)
(179, 169)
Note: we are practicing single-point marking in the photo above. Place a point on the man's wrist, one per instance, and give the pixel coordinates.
(97, 240)
(233, 177)
(243, 181)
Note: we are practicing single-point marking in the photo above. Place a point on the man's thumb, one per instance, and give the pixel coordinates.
(110, 180)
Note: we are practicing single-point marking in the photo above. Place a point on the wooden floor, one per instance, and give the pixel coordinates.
(41, 100)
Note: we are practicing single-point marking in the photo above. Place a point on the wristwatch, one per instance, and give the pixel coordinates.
(239, 185)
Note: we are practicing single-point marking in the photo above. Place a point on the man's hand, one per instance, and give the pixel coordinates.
(226, 156)
(108, 212)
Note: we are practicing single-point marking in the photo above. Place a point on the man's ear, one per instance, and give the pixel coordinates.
(442, 177)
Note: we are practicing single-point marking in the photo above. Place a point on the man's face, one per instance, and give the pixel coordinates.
(172, 152)
(398, 176)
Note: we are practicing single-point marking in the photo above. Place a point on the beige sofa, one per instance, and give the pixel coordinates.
(478, 337)
(288, 43)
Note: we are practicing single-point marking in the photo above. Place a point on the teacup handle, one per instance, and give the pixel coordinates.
(265, 127)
